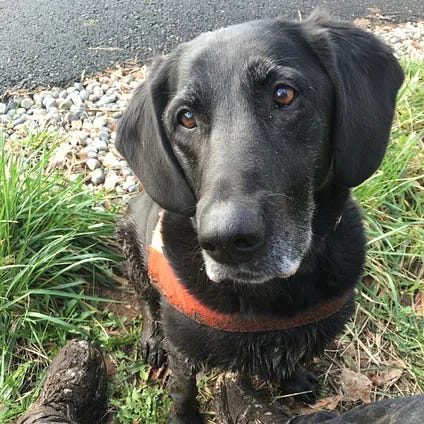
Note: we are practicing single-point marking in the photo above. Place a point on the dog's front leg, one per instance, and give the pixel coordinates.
(132, 242)
(151, 334)
(183, 392)
(302, 383)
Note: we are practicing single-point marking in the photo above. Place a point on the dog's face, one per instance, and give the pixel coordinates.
(248, 122)
(240, 127)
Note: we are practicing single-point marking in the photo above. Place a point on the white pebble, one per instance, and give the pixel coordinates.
(76, 99)
(27, 103)
(84, 94)
(98, 92)
(49, 102)
(92, 164)
(97, 176)
(100, 121)
(65, 104)
(100, 145)
(92, 154)
(75, 177)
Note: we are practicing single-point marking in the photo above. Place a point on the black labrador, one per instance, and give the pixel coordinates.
(247, 141)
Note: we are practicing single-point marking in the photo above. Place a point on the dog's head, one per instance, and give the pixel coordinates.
(239, 127)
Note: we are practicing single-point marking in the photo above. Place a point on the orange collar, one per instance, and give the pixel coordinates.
(177, 295)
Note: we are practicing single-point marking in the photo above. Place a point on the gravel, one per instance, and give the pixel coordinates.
(27, 103)
(406, 39)
(98, 176)
(85, 115)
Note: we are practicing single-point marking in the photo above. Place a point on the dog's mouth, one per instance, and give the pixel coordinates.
(250, 273)
(280, 260)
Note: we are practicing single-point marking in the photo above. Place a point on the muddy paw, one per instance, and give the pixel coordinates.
(303, 382)
(151, 345)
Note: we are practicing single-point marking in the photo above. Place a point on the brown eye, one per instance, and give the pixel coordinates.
(186, 119)
(284, 95)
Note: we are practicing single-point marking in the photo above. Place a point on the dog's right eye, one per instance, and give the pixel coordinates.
(284, 95)
(187, 119)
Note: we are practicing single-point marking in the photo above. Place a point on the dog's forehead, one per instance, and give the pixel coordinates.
(229, 51)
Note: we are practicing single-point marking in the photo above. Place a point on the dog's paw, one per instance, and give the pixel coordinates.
(152, 350)
(302, 384)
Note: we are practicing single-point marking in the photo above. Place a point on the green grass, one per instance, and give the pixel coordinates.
(55, 251)
(53, 247)
(393, 204)
(56, 254)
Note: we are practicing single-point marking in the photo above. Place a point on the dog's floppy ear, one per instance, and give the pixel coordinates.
(366, 77)
(142, 141)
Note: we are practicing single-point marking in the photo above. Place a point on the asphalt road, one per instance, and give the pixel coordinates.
(51, 42)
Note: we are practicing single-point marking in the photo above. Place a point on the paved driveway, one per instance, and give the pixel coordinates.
(53, 41)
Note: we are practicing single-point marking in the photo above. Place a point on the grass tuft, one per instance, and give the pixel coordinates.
(53, 245)
(388, 329)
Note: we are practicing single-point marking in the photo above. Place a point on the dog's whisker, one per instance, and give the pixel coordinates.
(279, 195)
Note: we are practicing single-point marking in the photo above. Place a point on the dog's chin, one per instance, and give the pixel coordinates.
(217, 272)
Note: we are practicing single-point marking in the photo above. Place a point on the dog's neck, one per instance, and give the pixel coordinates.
(180, 298)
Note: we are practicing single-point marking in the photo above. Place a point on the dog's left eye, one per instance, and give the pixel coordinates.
(284, 95)
(187, 119)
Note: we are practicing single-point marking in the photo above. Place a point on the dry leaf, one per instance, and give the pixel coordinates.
(362, 22)
(388, 377)
(156, 374)
(419, 303)
(355, 386)
(374, 10)
(112, 125)
(390, 374)
(61, 155)
(82, 154)
(329, 403)
(106, 204)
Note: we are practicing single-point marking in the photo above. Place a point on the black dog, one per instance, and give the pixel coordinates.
(247, 141)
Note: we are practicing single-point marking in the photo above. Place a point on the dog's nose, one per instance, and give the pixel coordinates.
(231, 233)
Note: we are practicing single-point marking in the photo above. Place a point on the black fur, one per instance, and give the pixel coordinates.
(270, 184)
